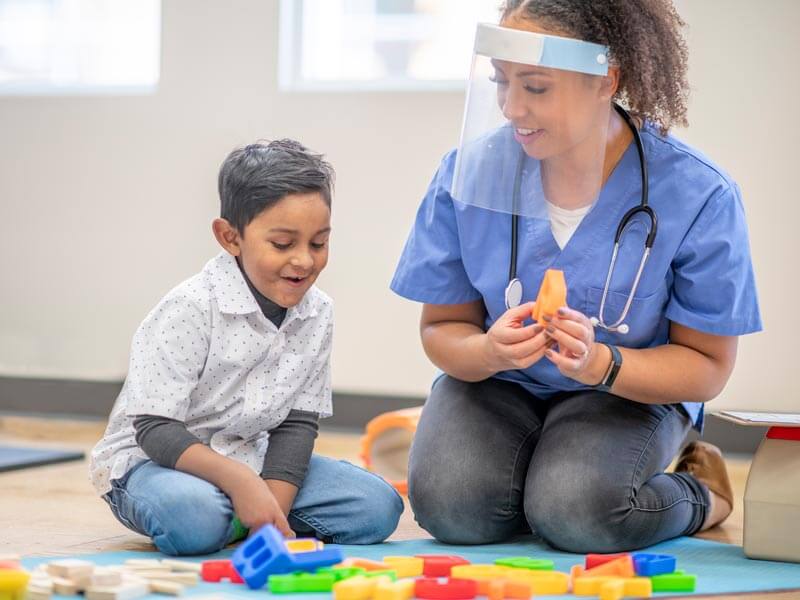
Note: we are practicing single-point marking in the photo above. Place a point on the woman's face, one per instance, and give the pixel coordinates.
(552, 111)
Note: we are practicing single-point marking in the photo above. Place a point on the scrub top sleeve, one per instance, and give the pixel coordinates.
(168, 353)
(714, 289)
(430, 269)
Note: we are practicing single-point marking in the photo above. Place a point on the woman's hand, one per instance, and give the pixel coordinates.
(510, 344)
(576, 353)
(256, 505)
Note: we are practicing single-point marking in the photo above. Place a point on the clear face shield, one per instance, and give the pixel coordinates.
(535, 124)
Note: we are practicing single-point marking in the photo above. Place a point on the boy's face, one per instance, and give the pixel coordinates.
(284, 249)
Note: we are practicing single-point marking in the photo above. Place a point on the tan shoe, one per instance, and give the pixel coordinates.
(704, 461)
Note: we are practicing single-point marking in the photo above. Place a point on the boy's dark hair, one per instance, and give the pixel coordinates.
(259, 175)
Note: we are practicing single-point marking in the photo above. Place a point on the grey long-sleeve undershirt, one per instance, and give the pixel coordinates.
(290, 446)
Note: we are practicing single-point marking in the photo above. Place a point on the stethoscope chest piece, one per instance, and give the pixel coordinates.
(513, 293)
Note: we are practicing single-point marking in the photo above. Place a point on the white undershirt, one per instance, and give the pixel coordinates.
(564, 222)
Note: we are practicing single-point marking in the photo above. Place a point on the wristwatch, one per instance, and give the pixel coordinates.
(613, 370)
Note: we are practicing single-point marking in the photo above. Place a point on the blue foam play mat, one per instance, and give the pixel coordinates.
(13, 457)
(719, 567)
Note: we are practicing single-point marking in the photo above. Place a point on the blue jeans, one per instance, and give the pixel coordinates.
(585, 471)
(183, 514)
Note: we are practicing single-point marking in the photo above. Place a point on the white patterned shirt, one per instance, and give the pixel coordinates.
(207, 356)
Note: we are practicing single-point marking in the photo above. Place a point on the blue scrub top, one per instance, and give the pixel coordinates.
(699, 273)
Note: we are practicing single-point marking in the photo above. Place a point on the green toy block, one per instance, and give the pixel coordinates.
(674, 582)
(240, 532)
(340, 573)
(524, 562)
(390, 573)
(295, 583)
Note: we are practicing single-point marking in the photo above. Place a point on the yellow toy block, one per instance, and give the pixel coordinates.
(640, 587)
(12, 583)
(478, 572)
(304, 545)
(590, 586)
(355, 588)
(394, 590)
(541, 582)
(405, 566)
(612, 590)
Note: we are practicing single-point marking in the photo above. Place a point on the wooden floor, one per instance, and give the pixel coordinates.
(53, 511)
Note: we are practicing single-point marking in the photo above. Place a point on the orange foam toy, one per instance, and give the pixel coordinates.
(552, 295)
(386, 443)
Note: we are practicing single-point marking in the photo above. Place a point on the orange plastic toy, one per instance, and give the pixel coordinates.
(552, 295)
(386, 443)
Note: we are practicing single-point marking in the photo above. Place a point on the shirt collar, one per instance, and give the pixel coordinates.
(234, 296)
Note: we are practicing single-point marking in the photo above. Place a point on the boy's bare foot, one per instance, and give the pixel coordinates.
(704, 461)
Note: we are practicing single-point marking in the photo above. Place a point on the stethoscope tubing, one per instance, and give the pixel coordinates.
(515, 286)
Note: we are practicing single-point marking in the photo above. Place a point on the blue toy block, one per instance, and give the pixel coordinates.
(264, 553)
(647, 565)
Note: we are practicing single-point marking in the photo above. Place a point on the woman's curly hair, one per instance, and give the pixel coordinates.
(644, 38)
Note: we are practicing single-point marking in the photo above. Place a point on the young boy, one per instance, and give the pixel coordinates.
(229, 375)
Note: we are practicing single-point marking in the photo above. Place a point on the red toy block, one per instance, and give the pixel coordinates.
(619, 567)
(217, 570)
(430, 588)
(439, 565)
(784, 433)
(595, 560)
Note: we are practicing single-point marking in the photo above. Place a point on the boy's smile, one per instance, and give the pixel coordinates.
(284, 248)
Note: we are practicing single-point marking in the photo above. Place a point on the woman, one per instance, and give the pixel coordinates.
(565, 426)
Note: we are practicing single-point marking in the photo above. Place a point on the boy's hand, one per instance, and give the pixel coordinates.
(256, 506)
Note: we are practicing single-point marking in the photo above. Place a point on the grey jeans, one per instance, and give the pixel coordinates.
(585, 471)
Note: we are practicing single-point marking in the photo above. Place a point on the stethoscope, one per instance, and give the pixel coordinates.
(513, 293)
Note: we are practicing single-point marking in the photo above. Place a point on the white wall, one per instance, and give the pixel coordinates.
(106, 201)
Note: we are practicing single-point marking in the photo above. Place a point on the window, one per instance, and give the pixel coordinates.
(378, 44)
(79, 46)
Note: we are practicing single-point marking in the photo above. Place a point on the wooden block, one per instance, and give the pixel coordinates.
(105, 577)
(185, 577)
(64, 587)
(70, 568)
(182, 565)
(126, 591)
(35, 592)
(143, 562)
(154, 567)
(171, 588)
